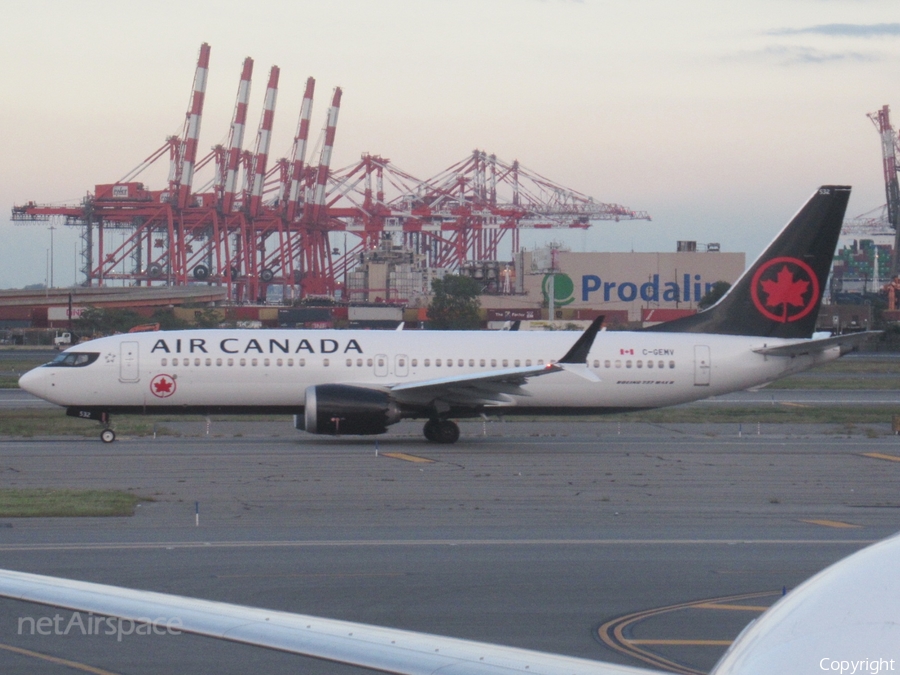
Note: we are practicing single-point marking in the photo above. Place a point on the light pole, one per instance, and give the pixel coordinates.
(51, 254)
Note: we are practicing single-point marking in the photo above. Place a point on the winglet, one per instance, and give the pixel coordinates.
(580, 350)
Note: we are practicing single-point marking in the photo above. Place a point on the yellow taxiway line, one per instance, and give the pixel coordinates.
(828, 523)
(879, 455)
(407, 458)
(58, 661)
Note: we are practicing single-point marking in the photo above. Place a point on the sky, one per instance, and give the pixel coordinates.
(718, 117)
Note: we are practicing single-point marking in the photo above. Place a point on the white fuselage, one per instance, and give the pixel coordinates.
(273, 368)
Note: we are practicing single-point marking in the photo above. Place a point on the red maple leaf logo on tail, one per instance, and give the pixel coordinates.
(785, 291)
(793, 291)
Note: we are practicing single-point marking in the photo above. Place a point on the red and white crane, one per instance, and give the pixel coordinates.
(280, 226)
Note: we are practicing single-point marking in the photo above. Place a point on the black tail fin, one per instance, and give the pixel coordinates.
(780, 294)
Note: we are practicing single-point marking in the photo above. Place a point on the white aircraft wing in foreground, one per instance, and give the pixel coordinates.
(847, 618)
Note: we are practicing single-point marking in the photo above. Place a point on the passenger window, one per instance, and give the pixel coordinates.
(661, 364)
(401, 362)
(628, 363)
(640, 364)
(618, 364)
(325, 362)
(506, 363)
(163, 361)
(359, 363)
(196, 362)
(493, 363)
(596, 363)
(265, 362)
(671, 364)
(175, 362)
(253, 362)
(540, 362)
(218, 362)
(380, 363)
(279, 362)
(527, 362)
(290, 362)
(349, 362)
(209, 362)
(369, 363)
(301, 362)
(516, 363)
(649, 364)
(607, 363)
(481, 363)
(243, 362)
(230, 362)
(471, 363)
(427, 362)
(449, 363)
(460, 363)
(415, 362)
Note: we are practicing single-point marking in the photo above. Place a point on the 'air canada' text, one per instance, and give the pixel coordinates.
(244, 346)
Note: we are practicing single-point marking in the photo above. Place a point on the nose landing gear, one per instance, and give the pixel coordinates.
(107, 435)
(441, 431)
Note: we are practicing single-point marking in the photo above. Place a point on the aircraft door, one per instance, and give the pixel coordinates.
(701, 365)
(381, 365)
(129, 364)
(401, 365)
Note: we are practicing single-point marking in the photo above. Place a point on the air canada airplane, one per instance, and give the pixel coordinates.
(361, 382)
(845, 619)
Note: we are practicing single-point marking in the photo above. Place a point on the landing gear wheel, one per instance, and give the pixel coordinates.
(430, 430)
(107, 435)
(441, 431)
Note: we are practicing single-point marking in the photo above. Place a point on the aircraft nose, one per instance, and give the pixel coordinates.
(34, 382)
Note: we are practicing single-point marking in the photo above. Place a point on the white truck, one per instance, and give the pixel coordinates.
(62, 340)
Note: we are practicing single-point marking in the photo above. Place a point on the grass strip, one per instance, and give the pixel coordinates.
(47, 503)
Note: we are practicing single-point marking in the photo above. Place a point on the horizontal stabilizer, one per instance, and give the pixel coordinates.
(845, 342)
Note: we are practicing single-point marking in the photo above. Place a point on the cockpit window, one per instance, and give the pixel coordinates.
(74, 359)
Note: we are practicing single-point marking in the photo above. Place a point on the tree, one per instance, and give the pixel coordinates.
(716, 291)
(103, 321)
(454, 304)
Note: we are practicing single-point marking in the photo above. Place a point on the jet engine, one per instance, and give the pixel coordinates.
(341, 409)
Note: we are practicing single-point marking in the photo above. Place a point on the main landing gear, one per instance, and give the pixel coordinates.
(441, 431)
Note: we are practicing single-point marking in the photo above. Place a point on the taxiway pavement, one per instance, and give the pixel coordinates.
(532, 535)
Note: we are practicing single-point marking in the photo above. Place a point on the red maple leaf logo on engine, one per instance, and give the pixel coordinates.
(162, 386)
(790, 286)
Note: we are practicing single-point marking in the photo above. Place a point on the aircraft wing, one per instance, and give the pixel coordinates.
(497, 387)
(800, 348)
(386, 649)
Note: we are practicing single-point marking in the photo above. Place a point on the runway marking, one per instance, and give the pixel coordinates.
(53, 659)
(879, 455)
(791, 404)
(612, 633)
(407, 458)
(829, 523)
(114, 546)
